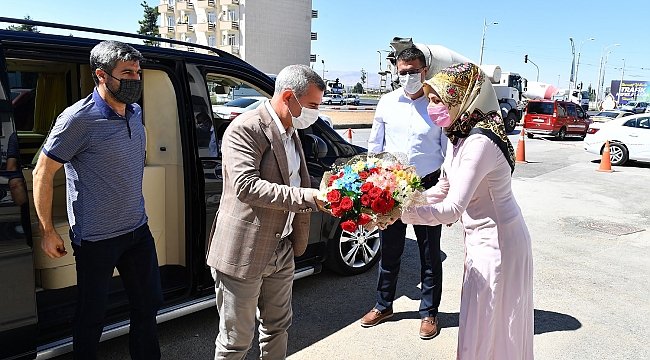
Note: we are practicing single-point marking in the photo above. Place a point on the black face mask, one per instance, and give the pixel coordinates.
(128, 92)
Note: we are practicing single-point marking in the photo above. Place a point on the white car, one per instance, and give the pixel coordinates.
(234, 108)
(333, 99)
(629, 138)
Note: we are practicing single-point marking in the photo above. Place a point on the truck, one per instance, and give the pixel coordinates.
(508, 86)
(539, 90)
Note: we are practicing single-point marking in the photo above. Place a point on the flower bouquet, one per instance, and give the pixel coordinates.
(371, 189)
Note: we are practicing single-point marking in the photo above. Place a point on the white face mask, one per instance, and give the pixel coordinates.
(412, 83)
(306, 118)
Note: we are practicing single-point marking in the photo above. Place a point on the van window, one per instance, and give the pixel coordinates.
(40, 91)
(571, 110)
(561, 111)
(541, 108)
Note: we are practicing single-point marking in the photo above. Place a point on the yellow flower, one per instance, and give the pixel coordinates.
(359, 166)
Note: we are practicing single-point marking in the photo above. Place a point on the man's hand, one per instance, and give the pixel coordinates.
(52, 245)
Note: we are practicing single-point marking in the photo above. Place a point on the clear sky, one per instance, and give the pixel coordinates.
(351, 31)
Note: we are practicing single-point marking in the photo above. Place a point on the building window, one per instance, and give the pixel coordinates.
(211, 17)
(231, 39)
(170, 20)
(232, 15)
(212, 40)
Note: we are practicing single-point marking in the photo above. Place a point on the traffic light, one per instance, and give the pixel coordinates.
(526, 58)
(337, 80)
(580, 86)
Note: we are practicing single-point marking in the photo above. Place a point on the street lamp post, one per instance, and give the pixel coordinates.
(620, 86)
(601, 70)
(573, 65)
(485, 26)
(602, 79)
(323, 69)
(579, 51)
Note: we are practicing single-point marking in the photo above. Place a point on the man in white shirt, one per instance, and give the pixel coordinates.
(402, 125)
(263, 218)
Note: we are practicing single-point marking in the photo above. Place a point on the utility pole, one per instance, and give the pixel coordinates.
(485, 26)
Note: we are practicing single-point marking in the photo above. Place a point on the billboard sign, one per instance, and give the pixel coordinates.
(630, 91)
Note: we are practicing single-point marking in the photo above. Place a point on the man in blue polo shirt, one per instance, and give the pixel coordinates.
(100, 141)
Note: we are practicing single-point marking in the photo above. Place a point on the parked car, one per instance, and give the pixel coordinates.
(629, 138)
(607, 115)
(636, 107)
(352, 99)
(555, 118)
(182, 185)
(234, 108)
(333, 99)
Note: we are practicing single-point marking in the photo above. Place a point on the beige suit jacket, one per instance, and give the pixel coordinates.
(257, 198)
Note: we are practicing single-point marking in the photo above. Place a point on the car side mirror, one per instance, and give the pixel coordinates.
(314, 147)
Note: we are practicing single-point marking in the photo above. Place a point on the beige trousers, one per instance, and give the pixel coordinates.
(268, 298)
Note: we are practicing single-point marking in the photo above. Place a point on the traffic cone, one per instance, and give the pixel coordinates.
(349, 134)
(521, 148)
(605, 162)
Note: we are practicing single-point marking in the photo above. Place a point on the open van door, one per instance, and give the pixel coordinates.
(18, 321)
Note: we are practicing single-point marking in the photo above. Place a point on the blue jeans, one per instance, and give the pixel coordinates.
(392, 241)
(134, 255)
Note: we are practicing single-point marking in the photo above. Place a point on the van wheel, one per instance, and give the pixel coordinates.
(353, 253)
(511, 122)
(618, 154)
(562, 134)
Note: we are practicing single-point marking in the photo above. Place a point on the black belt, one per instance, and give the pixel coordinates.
(432, 176)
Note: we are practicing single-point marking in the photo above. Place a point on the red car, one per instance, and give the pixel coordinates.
(555, 118)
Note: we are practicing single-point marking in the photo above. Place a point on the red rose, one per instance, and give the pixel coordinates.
(334, 196)
(366, 187)
(337, 211)
(374, 170)
(390, 205)
(366, 200)
(363, 219)
(349, 226)
(375, 192)
(347, 203)
(379, 205)
(386, 195)
(363, 175)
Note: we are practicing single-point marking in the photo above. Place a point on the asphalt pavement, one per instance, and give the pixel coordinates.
(591, 245)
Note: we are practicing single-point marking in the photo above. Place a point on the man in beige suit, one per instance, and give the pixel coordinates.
(263, 218)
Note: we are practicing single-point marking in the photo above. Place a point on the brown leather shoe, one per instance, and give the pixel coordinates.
(429, 328)
(374, 317)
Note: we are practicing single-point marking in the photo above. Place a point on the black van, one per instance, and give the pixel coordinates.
(41, 75)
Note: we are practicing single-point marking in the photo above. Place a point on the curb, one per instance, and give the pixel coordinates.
(352, 126)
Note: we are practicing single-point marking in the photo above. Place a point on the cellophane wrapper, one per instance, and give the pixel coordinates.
(371, 189)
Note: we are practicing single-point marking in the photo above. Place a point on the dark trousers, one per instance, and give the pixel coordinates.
(134, 255)
(392, 246)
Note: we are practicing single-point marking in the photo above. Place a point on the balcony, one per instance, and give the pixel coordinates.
(165, 8)
(206, 27)
(314, 36)
(233, 49)
(229, 25)
(166, 30)
(184, 6)
(229, 2)
(184, 28)
(186, 48)
(202, 4)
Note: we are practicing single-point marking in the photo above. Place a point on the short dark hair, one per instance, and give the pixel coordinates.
(106, 54)
(410, 54)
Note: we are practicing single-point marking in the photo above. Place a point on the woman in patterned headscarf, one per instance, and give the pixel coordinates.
(496, 312)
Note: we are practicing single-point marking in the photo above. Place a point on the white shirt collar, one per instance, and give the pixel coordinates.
(283, 132)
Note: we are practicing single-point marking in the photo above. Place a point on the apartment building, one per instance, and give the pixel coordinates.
(269, 34)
